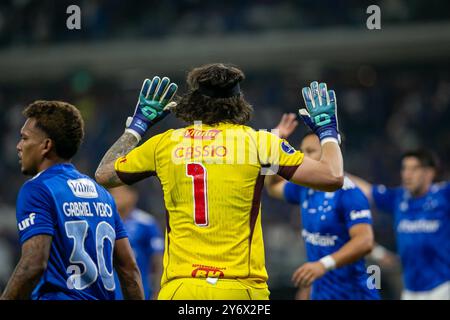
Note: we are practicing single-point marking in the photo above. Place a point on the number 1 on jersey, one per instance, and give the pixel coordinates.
(200, 190)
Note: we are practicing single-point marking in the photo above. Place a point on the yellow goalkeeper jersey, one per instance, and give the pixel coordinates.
(212, 178)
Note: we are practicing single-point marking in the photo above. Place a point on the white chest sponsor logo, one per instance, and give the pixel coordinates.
(317, 239)
(25, 223)
(359, 214)
(418, 226)
(83, 188)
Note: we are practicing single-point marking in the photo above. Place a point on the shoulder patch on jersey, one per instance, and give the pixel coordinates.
(83, 188)
(27, 222)
(348, 184)
(361, 214)
(286, 147)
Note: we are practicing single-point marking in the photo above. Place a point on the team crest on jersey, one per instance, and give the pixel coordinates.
(287, 148)
(201, 134)
(83, 188)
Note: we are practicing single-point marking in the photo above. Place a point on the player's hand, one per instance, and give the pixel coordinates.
(384, 258)
(152, 106)
(321, 113)
(305, 275)
(287, 125)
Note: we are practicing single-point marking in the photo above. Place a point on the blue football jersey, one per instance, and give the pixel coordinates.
(326, 219)
(422, 227)
(83, 221)
(146, 239)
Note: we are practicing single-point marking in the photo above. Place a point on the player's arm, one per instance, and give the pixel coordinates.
(106, 174)
(360, 244)
(157, 267)
(320, 115)
(275, 184)
(365, 186)
(378, 195)
(384, 257)
(128, 270)
(29, 269)
(153, 105)
(327, 174)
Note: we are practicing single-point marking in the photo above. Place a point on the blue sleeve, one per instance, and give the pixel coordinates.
(384, 198)
(291, 192)
(34, 211)
(156, 239)
(446, 186)
(120, 229)
(355, 207)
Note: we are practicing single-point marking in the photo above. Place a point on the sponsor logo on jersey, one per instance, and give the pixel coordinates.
(360, 214)
(317, 239)
(83, 188)
(418, 226)
(287, 148)
(201, 134)
(202, 271)
(25, 223)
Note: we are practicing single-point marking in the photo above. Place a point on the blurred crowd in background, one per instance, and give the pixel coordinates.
(28, 22)
(384, 109)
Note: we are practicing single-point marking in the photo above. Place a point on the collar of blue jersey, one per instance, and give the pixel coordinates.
(56, 167)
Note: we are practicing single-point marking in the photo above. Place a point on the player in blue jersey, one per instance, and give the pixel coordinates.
(336, 229)
(145, 237)
(421, 212)
(69, 228)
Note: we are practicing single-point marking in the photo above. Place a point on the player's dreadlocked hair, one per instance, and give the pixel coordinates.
(214, 96)
(61, 121)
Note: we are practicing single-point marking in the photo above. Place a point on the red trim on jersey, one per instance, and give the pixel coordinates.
(287, 171)
(256, 202)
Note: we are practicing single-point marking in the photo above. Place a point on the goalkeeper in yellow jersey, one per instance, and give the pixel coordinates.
(212, 173)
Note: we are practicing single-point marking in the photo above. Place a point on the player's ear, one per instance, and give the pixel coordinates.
(47, 146)
(432, 173)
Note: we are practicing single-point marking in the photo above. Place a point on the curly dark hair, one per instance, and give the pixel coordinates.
(61, 121)
(195, 105)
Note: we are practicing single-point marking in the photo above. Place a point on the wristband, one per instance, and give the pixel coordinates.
(329, 139)
(134, 133)
(328, 262)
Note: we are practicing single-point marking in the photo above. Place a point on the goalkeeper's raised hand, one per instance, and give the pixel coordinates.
(152, 106)
(321, 113)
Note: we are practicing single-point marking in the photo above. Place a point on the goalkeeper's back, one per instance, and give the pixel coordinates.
(212, 182)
